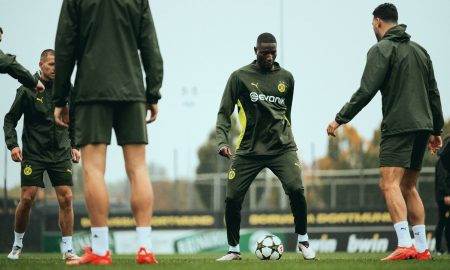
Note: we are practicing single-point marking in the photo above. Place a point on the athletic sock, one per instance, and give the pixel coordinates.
(18, 237)
(235, 249)
(66, 243)
(144, 238)
(403, 236)
(302, 238)
(420, 238)
(100, 240)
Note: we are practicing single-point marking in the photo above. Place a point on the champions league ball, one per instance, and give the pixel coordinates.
(269, 247)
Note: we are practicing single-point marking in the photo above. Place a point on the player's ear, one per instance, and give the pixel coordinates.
(256, 50)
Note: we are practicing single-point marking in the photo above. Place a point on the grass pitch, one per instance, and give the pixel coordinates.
(333, 261)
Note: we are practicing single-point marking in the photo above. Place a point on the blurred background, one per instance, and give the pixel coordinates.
(323, 43)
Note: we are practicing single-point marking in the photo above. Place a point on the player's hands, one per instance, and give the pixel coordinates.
(76, 156)
(225, 151)
(447, 200)
(153, 108)
(62, 116)
(16, 154)
(39, 86)
(434, 143)
(332, 127)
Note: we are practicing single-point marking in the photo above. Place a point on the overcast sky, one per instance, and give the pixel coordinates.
(323, 43)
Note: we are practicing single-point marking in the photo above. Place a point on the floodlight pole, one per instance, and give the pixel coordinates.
(281, 34)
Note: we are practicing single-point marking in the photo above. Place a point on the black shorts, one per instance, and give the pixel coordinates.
(244, 169)
(94, 123)
(32, 173)
(404, 150)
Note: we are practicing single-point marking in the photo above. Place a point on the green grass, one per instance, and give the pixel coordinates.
(331, 261)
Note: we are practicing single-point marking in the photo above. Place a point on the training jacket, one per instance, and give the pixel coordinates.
(442, 173)
(8, 64)
(107, 40)
(264, 101)
(42, 139)
(403, 72)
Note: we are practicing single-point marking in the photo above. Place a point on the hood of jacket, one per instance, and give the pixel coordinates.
(397, 34)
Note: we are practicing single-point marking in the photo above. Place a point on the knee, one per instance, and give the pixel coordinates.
(387, 185)
(233, 202)
(26, 201)
(65, 201)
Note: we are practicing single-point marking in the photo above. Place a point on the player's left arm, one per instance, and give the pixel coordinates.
(435, 102)
(66, 47)
(151, 58)
(290, 99)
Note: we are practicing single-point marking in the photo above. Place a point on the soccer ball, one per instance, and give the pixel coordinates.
(269, 247)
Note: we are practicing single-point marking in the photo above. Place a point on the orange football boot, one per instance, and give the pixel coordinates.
(426, 255)
(91, 258)
(145, 258)
(402, 253)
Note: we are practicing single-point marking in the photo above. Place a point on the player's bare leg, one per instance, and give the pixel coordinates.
(416, 212)
(141, 188)
(141, 199)
(64, 196)
(21, 220)
(391, 179)
(97, 204)
(95, 190)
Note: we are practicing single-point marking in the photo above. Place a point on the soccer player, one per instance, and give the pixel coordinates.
(8, 64)
(46, 147)
(442, 186)
(263, 92)
(108, 40)
(412, 118)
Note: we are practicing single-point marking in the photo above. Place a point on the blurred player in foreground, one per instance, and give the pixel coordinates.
(8, 64)
(105, 39)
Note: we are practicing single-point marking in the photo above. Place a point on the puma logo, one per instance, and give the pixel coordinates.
(40, 99)
(255, 85)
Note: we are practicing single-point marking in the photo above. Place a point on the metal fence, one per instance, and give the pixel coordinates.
(325, 190)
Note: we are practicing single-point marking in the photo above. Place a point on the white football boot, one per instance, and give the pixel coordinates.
(308, 252)
(70, 256)
(230, 256)
(15, 252)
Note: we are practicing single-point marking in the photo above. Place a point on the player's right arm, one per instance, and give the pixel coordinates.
(10, 123)
(9, 65)
(435, 102)
(226, 109)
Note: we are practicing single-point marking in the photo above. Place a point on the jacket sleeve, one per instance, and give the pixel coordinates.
(65, 51)
(377, 66)
(12, 117)
(289, 100)
(9, 65)
(72, 120)
(150, 55)
(435, 102)
(229, 99)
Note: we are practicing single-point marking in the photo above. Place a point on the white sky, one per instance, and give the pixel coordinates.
(323, 43)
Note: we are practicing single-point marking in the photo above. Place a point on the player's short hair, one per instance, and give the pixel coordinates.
(386, 12)
(265, 38)
(1, 30)
(46, 53)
